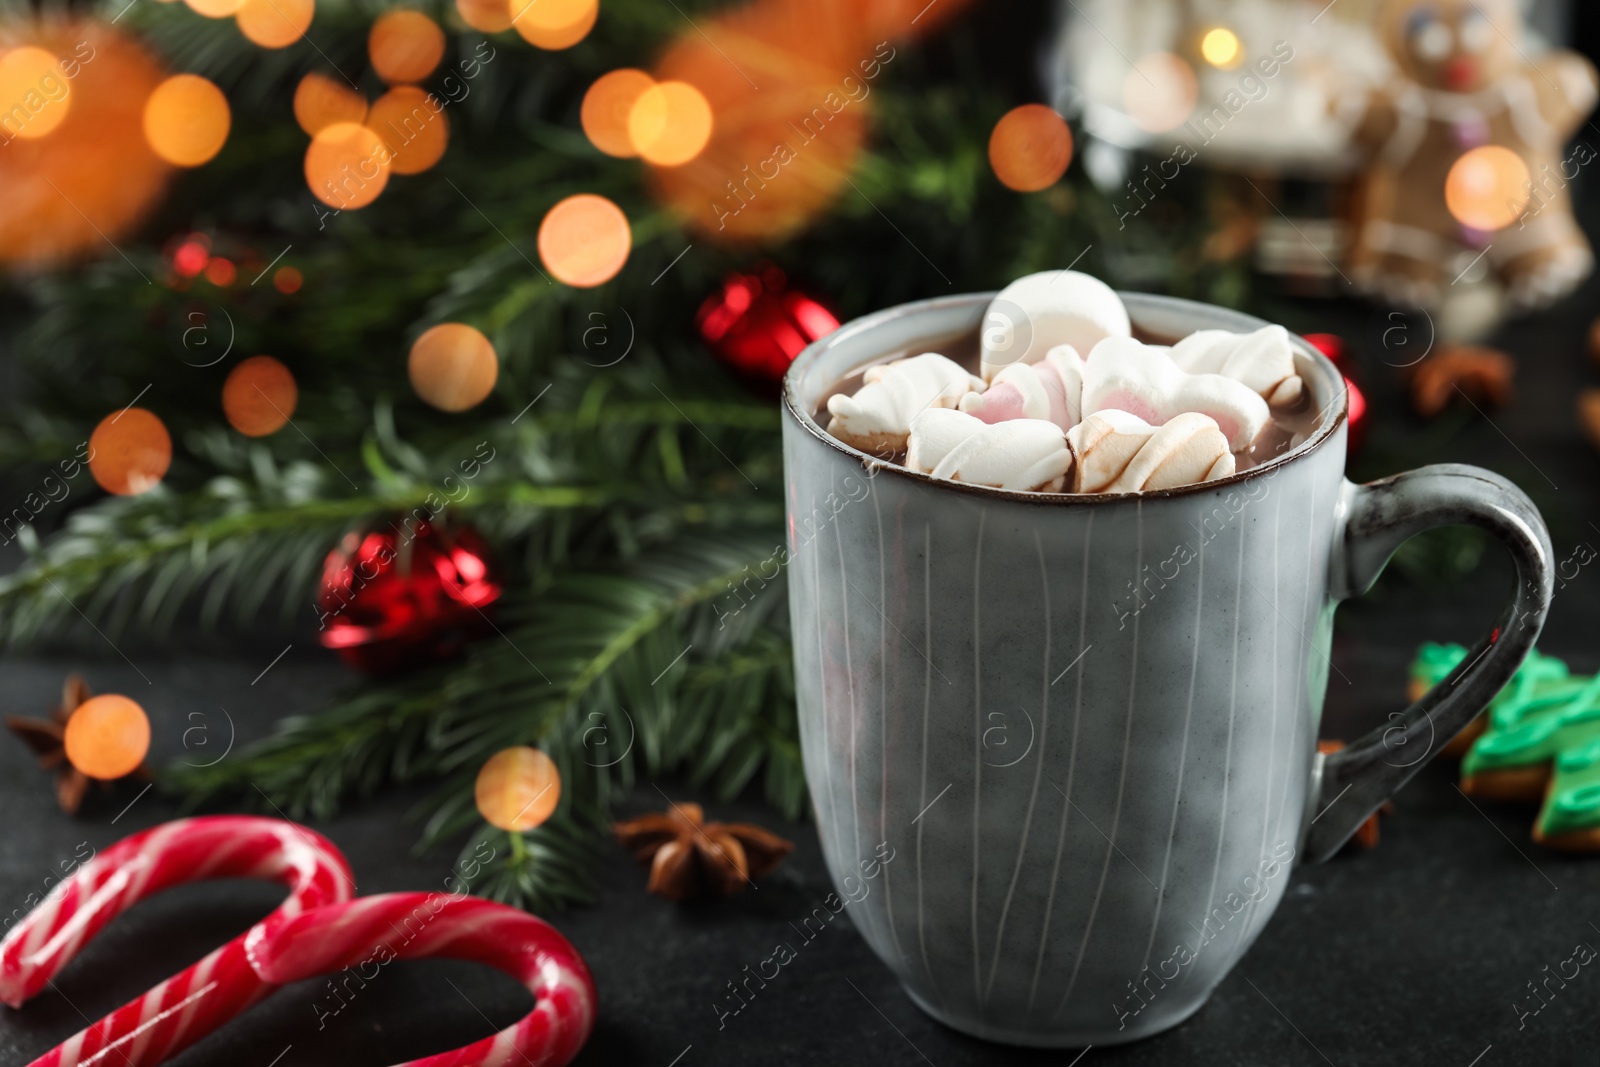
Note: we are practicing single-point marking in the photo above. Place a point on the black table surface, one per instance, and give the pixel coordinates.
(1416, 953)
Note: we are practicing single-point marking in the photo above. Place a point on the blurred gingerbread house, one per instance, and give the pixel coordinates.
(1243, 87)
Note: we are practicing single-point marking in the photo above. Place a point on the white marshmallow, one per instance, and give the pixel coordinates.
(1143, 380)
(1050, 389)
(1117, 452)
(1020, 454)
(1263, 360)
(1038, 312)
(877, 418)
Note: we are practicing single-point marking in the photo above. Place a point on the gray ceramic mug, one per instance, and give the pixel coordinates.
(1086, 726)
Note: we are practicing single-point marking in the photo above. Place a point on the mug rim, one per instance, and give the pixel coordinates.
(875, 465)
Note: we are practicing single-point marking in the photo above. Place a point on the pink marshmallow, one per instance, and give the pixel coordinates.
(1127, 375)
(1050, 389)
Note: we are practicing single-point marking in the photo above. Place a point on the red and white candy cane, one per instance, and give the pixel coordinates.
(195, 1001)
(371, 931)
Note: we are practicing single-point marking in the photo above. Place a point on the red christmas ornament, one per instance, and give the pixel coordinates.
(392, 597)
(1332, 346)
(756, 324)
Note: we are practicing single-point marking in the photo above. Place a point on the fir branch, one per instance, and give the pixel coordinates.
(595, 644)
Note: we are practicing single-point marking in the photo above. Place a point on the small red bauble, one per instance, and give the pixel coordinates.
(392, 598)
(1332, 346)
(757, 324)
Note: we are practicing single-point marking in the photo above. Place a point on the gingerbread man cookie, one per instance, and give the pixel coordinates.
(1463, 83)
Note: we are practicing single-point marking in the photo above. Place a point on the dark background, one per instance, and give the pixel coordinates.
(1411, 954)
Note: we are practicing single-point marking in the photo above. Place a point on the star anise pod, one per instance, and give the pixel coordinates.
(690, 857)
(1483, 375)
(47, 738)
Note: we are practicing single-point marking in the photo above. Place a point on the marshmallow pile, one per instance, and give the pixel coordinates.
(1044, 417)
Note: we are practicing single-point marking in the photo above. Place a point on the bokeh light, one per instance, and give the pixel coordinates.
(192, 256)
(95, 177)
(606, 107)
(517, 789)
(129, 452)
(411, 122)
(275, 23)
(1030, 148)
(897, 19)
(221, 272)
(320, 101)
(287, 280)
(186, 120)
(670, 123)
(1487, 189)
(107, 737)
(453, 366)
(788, 149)
(347, 166)
(486, 16)
(1222, 48)
(1160, 91)
(259, 396)
(216, 9)
(554, 24)
(34, 92)
(585, 240)
(405, 46)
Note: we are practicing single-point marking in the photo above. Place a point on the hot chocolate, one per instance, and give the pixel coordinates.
(1075, 400)
(1286, 429)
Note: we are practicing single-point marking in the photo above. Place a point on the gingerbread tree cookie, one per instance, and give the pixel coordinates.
(1539, 742)
(1541, 681)
(1467, 157)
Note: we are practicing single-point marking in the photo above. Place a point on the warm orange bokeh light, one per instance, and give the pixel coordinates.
(788, 148)
(129, 452)
(1160, 91)
(287, 280)
(517, 789)
(405, 46)
(1487, 189)
(895, 19)
(275, 23)
(554, 24)
(107, 737)
(95, 177)
(216, 9)
(606, 107)
(320, 101)
(670, 123)
(486, 16)
(1030, 148)
(584, 240)
(453, 366)
(34, 93)
(347, 166)
(186, 120)
(411, 122)
(221, 272)
(259, 396)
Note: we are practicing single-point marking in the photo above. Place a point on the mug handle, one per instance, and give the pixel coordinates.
(1373, 520)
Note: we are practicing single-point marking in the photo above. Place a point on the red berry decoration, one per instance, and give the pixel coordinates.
(1332, 346)
(411, 593)
(757, 324)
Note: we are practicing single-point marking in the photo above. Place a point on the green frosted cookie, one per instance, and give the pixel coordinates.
(1539, 741)
(1571, 815)
(1541, 681)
